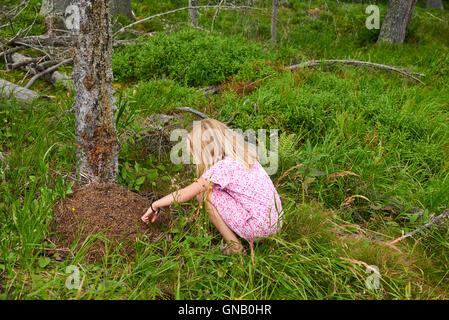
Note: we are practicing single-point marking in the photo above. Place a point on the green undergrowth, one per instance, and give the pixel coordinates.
(387, 136)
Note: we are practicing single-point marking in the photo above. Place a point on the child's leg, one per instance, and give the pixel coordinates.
(230, 237)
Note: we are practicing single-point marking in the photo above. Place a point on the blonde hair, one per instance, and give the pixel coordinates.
(210, 141)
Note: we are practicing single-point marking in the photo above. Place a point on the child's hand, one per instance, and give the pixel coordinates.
(149, 214)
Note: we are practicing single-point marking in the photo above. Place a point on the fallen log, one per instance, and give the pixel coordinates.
(315, 63)
(21, 94)
(53, 77)
(425, 226)
(49, 70)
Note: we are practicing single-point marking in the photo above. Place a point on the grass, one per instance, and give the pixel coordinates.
(390, 131)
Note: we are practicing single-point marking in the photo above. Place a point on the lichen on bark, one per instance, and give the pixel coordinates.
(96, 138)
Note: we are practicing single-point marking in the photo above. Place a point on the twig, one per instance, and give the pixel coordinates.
(8, 52)
(51, 69)
(7, 15)
(195, 112)
(435, 17)
(42, 41)
(315, 63)
(181, 9)
(28, 29)
(425, 226)
(216, 15)
(32, 47)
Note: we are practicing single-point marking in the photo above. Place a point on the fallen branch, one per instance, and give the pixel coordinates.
(8, 89)
(9, 52)
(41, 41)
(22, 63)
(195, 112)
(215, 16)
(181, 9)
(53, 76)
(51, 69)
(425, 226)
(315, 63)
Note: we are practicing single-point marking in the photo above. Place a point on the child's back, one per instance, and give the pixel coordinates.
(246, 199)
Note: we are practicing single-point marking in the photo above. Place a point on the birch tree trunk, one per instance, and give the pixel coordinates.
(122, 7)
(435, 4)
(96, 138)
(54, 11)
(274, 20)
(193, 13)
(396, 21)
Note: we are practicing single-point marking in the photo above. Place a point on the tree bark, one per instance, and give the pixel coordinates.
(193, 13)
(435, 4)
(96, 138)
(396, 21)
(274, 20)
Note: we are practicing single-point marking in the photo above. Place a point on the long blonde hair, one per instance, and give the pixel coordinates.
(210, 141)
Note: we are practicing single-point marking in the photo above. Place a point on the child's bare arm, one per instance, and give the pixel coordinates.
(182, 195)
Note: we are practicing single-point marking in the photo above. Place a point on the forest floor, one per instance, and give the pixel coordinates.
(363, 159)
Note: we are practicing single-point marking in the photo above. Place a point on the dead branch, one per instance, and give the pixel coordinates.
(195, 112)
(315, 63)
(14, 13)
(54, 42)
(52, 77)
(51, 69)
(6, 53)
(181, 9)
(22, 63)
(425, 226)
(18, 58)
(217, 11)
(41, 41)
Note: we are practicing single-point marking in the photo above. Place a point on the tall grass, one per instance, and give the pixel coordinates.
(392, 133)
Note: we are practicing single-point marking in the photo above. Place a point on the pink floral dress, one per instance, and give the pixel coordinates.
(246, 199)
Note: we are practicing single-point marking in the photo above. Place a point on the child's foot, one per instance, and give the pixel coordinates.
(228, 250)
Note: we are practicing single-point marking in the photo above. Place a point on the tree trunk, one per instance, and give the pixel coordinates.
(122, 7)
(435, 4)
(274, 20)
(396, 21)
(54, 11)
(96, 138)
(193, 13)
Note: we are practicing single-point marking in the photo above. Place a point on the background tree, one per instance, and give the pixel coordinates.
(54, 11)
(193, 13)
(274, 20)
(435, 4)
(96, 138)
(396, 21)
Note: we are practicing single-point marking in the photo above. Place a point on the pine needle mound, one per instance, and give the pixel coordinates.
(106, 209)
